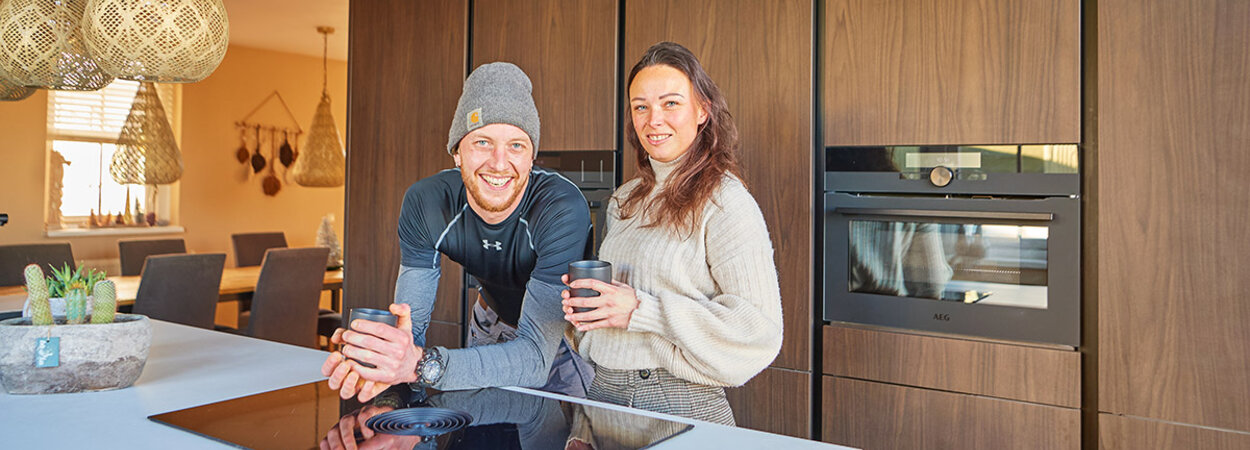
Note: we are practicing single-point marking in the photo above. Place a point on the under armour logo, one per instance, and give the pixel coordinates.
(498, 245)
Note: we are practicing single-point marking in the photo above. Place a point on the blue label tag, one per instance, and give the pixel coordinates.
(48, 352)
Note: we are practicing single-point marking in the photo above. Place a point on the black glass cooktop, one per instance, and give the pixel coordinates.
(312, 416)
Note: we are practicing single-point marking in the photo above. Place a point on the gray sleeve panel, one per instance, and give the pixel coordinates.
(525, 361)
(417, 288)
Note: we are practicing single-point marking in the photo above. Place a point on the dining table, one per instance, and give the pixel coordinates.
(236, 284)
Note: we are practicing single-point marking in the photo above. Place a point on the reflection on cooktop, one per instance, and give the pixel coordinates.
(312, 416)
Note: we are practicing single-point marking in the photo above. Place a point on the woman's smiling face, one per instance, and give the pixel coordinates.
(666, 114)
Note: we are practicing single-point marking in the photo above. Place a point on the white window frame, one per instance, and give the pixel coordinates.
(102, 125)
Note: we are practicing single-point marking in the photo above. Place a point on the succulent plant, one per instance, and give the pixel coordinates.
(65, 279)
(37, 289)
(104, 307)
(76, 306)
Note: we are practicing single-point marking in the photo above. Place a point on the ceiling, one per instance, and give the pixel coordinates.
(288, 25)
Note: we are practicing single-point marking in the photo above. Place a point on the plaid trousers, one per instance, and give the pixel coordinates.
(660, 391)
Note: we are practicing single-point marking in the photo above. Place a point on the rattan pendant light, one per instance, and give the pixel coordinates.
(146, 150)
(41, 46)
(11, 91)
(321, 163)
(167, 41)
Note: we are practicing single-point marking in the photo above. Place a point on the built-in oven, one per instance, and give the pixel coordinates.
(971, 240)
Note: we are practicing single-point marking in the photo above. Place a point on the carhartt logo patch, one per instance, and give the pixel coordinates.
(474, 119)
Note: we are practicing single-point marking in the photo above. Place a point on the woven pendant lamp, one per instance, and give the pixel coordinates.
(321, 162)
(11, 91)
(146, 150)
(167, 41)
(41, 46)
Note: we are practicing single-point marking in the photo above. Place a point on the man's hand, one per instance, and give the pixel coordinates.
(343, 435)
(389, 348)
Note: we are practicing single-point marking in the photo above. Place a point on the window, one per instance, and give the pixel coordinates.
(83, 128)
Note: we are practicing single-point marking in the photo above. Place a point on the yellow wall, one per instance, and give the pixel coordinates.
(218, 196)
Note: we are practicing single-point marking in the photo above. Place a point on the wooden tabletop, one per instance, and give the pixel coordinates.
(234, 281)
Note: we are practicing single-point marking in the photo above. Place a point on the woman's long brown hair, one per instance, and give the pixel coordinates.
(679, 206)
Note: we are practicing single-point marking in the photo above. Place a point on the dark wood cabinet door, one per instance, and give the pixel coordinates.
(869, 415)
(1173, 203)
(777, 401)
(406, 65)
(951, 72)
(568, 49)
(759, 53)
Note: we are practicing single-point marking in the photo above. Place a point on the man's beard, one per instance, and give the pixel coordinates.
(475, 190)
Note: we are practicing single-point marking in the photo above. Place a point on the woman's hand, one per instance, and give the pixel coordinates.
(613, 307)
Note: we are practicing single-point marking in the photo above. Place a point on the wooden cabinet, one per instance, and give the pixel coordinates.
(777, 401)
(950, 72)
(1015, 372)
(396, 131)
(568, 49)
(872, 416)
(1128, 433)
(1172, 156)
(759, 53)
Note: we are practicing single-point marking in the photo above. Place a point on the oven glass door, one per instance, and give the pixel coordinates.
(989, 267)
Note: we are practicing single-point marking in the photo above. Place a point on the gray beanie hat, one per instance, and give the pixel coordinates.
(494, 93)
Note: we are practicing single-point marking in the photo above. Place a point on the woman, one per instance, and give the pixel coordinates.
(695, 304)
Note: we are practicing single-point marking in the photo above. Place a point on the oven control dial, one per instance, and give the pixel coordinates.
(941, 176)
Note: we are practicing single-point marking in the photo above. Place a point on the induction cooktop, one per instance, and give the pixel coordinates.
(304, 416)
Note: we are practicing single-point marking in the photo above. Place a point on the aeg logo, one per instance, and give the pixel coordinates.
(942, 317)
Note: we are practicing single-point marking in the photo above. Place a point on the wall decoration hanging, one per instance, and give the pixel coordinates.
(168, 41)
(10, 91)
(146, 150)
(41, 45)
(322, 164)
(272, 145)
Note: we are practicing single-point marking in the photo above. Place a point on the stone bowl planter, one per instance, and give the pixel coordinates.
(93, 357)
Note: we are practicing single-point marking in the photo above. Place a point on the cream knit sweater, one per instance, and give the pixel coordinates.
(709, 306)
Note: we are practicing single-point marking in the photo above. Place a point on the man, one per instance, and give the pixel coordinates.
(512, 226)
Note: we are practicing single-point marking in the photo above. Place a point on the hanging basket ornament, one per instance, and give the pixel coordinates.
(41, 45)
(321, 163)
(146, 150)
(170, 41)
(10, 91)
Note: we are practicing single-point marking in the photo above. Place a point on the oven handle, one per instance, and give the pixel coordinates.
(947, 214)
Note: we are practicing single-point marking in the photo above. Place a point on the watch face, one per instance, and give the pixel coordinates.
(432, 371)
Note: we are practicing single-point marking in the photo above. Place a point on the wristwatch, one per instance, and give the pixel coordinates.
(430, 369)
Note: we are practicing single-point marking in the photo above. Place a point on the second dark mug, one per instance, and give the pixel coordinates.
(376, 315)
(591, 268)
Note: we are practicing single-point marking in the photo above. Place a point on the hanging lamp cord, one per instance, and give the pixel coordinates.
(325, 65)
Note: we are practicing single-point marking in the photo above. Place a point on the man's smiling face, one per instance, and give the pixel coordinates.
(495, 162)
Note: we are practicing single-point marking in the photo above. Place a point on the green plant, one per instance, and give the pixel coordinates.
(75, 288)
(64, 279)
(37, 289)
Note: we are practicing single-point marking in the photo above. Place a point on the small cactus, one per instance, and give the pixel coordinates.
(76, 306)
(105, 303)
(37, 290)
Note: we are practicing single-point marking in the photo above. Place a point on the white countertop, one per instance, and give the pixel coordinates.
(189, 367)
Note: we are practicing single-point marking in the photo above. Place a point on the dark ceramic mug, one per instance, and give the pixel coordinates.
(591, 268)
(375, 315)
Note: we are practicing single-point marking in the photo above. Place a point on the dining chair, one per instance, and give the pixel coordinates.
(249, 248)
(14, 258)
(284, 305)
(134, 251)
(181, 288)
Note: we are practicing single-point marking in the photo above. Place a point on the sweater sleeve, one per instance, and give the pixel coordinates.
(736, 333)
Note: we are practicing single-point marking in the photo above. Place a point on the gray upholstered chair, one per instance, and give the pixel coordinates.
(249, 248)
(13, 258)
(181, 288)
(133, 252)
(284, 305)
